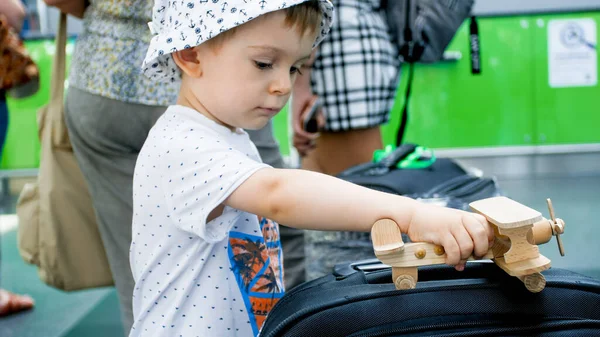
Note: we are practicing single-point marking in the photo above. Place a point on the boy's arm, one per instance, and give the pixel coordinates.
(310, 200)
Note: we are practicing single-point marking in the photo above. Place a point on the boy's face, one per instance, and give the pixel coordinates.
(248, 78)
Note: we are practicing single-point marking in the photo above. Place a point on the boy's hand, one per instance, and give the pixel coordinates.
(461, 233)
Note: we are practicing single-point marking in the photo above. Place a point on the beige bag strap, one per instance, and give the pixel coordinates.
(60, 136)
(57, 86)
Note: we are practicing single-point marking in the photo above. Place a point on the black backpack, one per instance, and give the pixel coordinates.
(423, 29)
(441, 180)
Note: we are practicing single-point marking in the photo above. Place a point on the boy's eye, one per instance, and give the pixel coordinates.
(263, 65)
(295, 70)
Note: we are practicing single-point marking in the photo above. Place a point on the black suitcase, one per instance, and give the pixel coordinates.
(480, 301)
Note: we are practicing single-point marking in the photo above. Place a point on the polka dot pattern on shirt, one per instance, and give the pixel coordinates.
(194, 277)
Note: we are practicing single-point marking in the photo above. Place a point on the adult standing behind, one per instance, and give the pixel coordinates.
(355, 74)
(14, 12)
(109, 111)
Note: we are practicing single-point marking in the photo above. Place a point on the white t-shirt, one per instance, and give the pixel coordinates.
(194, 278)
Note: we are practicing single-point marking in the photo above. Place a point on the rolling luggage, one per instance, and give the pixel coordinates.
(360, 300)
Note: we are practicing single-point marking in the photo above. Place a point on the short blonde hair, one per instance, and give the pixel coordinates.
(305, 17)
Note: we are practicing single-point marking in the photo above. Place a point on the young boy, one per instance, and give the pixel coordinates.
(205, 256)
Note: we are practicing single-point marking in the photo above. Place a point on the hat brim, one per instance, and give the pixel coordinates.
(159, 63)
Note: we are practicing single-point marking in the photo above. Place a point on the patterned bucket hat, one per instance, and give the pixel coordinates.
(180, 24)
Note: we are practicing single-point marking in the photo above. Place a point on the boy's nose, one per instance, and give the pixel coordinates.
(282, 85)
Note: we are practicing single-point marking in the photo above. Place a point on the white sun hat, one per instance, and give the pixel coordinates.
(180, 24)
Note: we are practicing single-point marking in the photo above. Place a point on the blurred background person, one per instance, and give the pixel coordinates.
(12, 13)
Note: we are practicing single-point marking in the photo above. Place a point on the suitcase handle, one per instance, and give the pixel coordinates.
(342, 270)
(376, 272)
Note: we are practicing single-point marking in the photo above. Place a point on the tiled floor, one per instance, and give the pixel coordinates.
(89, 313)
(95, 312)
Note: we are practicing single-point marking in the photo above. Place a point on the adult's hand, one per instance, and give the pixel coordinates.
(14, 12)
(302, 101)
(75, 8)
(304, 141)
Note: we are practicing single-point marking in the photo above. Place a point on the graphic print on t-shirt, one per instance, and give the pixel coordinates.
(256, 262)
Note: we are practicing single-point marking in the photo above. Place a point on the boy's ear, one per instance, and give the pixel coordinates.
(188, 61)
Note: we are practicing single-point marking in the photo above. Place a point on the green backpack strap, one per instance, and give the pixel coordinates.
(407, 156)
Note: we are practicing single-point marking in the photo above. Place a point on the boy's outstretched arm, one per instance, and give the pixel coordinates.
(310, 200)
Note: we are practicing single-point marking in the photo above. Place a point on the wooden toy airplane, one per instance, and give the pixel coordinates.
(519, 229)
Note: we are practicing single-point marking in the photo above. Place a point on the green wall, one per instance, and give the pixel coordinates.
(510, 102)
(22, 147)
